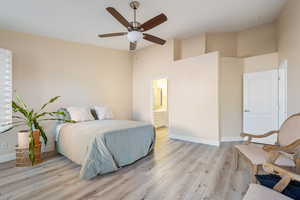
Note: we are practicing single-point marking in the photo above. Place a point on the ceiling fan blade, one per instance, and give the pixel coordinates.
(155, 21)
(132, 46)
(112, 34)
(118, 17)
(154, 39)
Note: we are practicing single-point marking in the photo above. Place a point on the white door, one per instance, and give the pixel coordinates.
(261, 104)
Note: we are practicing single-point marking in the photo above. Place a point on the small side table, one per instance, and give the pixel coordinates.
(22, 156)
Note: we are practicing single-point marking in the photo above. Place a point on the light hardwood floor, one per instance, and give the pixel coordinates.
(176, 170)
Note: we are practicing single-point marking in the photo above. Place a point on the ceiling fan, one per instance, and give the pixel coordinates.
(135, 29)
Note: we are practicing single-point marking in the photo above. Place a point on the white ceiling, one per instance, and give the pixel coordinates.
(82, 20)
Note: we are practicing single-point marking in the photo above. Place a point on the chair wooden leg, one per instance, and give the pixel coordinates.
(236, 159)
(254, 172)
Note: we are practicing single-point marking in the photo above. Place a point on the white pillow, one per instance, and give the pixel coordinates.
(103, 112)
(80, 114)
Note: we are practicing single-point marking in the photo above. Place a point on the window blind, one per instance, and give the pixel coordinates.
(5, 89)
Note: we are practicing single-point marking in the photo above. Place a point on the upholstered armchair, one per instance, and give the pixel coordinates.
(256, 191)
(284, 153)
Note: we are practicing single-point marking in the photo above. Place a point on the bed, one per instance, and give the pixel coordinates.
(103, 146)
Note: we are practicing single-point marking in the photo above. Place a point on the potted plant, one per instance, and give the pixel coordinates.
(31, 119)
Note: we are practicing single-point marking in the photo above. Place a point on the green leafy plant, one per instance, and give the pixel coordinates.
(32, 119)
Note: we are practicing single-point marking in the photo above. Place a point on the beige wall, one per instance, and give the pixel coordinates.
(254, 41)
(225, 43)
(176, 49)
(246, 43)
(194, 99)
(198, 76)
(257, 40)
(231, 90)
(190, 47)
(231, 98)
(261, 63)
(289, 48)
(81, 74)
(149, 64)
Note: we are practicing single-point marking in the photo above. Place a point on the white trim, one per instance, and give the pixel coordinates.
(232, 139)
(195, 140)
(282, 92)
(7, 157)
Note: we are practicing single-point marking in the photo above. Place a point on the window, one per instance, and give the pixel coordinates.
(5, 89)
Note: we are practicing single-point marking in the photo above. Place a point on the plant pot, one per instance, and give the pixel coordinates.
(22, 150)
(23, 138)
(37, 136)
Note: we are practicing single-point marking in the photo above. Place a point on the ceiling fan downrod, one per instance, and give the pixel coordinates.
(135, 5)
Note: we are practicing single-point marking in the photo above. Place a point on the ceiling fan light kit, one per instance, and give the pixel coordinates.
(134, 28)
(134, 36)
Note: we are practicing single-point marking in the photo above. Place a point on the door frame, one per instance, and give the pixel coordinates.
(282, 89)
(282, 92)
(152, 96)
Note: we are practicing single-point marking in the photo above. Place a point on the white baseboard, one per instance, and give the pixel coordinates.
(7, 157)
(195, 140)
(232, 139)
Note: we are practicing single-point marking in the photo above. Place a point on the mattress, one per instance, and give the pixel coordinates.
(103, 146)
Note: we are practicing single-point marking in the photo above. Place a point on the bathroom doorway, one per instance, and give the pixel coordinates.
(160, 104)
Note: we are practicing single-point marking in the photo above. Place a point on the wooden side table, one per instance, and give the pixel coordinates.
(22, 156)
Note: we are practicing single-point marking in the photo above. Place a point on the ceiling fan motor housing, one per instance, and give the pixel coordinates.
(136, 25)
(134, 5)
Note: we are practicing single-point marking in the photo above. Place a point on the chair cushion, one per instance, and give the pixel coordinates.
(292, 190)
(258, 192)
(257, 156)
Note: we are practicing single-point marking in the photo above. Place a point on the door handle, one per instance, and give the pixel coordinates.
(246, 110)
